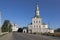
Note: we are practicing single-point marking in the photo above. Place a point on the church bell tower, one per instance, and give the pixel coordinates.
(37, 10)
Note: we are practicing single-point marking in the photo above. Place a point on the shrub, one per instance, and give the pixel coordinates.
(34, 33)
(57, 34)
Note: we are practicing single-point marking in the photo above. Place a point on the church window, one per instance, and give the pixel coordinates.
(34, 21)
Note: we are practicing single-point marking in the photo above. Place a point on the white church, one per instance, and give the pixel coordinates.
(14, 27)
(37, 26)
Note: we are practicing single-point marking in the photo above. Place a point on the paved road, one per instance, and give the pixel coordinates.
(22, 36)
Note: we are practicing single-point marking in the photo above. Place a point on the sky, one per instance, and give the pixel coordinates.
(22, 11)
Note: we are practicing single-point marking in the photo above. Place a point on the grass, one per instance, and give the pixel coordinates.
(2, 34)
(57, 34)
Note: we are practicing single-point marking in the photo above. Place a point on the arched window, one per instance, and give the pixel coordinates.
(34, 21)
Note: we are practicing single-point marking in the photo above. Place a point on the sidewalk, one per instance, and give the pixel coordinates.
(6, 37)
(3, 33)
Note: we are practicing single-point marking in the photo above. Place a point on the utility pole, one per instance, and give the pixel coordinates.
(0, 21)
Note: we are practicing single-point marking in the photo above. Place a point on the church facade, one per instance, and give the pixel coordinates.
(37, 26)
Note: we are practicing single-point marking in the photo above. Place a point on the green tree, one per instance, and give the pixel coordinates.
(10, 28)
(57, 30)
(7, 26)
(20, 30)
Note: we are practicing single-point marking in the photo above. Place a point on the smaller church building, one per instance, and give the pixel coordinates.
(14, 28)
(37, 26)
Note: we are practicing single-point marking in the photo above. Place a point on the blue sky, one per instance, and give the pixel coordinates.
(22, 11)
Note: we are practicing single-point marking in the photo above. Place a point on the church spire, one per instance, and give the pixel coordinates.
(37, 10)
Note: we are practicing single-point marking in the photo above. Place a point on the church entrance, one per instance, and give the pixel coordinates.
(30, 31)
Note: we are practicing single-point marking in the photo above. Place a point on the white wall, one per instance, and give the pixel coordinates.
(51, 31)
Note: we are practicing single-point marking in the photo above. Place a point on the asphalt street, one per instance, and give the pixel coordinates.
(25, 36)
